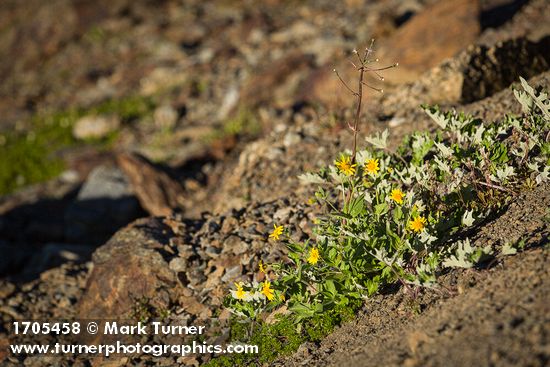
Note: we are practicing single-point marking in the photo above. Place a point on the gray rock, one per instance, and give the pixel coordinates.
(165, 117)
(230, 101)
(95, 127)
(291, 139)
(104, 204)
(178, 264)
(235, 245)
(232, 273)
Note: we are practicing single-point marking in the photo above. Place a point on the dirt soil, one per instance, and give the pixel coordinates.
(497, 316)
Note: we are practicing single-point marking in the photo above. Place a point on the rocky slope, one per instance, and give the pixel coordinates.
(214, 200)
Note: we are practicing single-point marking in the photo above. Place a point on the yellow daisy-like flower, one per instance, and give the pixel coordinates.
(345, 166)
(372, 166)
(397, 196)
(417, 224)
(267, 291)
(313, 256)
(262, 267)
(240, 293)
(277, 231)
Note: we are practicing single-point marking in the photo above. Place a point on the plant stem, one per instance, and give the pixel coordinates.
(357, 113)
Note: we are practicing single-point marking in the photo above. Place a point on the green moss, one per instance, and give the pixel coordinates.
(244, 124)
(128, 109)
(95, 35)
(32, 156)
(281, 338)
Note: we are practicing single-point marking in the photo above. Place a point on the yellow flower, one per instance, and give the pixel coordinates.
(372, 166)
(345, 166)
(313, 256)
(267, 291)
(397, 196)
(239, 293)
(262, 267)
(282, 297)
(277, 231)
(390, 170)
(417, 224)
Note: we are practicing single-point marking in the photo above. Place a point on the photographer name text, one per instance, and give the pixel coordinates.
(155, 328)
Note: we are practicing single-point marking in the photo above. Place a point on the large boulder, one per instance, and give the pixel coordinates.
(131, 267)
(422, 43)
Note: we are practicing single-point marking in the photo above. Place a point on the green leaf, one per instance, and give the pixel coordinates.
(356, 206)
(329, 286)
(397, 214)
(380, 209)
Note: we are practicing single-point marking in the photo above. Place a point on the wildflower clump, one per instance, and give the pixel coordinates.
(394, 221)
(248, 300)
(389, 217)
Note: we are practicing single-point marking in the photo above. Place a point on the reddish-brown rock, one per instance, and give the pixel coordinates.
(438, 32)
(276, 83)
(130, 268)
(157, 192)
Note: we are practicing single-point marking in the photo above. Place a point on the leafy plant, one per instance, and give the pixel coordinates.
(391, 217)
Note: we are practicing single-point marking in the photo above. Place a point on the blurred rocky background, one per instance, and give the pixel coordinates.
(197, 116)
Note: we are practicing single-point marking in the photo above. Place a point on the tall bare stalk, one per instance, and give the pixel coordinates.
(362, 68)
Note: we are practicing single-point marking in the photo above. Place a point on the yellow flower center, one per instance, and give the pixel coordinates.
(417, 224)
(313, 256)
(345, 166)
(372, 166)
(397, 196)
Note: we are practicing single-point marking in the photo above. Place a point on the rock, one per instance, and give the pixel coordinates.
(157, 192)
(291, 138)
(160, 79)
(104, 204)
(230, 101)
(6, 289)
(473, 74)
(95, 127)
(283, 214)
(491, 69)
(299, 30)
(231, 274)
(128, 268)
(276, 81)
(178, 264)
(165, 117)
(4, 349)
(422, 43)
(235, 245)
